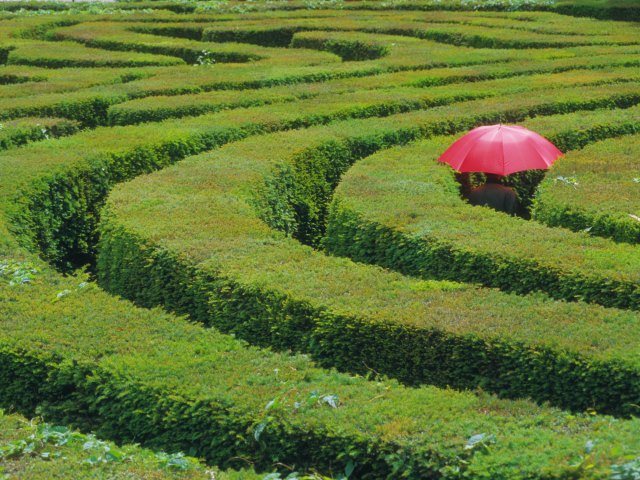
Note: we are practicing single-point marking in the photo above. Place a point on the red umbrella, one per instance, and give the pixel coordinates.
(500, 149)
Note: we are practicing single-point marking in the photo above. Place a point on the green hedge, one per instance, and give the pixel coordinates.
(27, 5)
(58, 213)
(271, 36)
(20, 132)
(242, 278)
(182, 8)
(305, 210)
(87, 108)
(414, 344)
(132, 37)
(75, 198)
(10, 78)
(43, 230)
(442, 236)
(155, 108)
(92, 361)
(186, 79)
(371, 91)
(318, 109)
(620, 10)
(180, 30)
(348, 47)
(627, 12)
(40, 451)
(614, 10)
(479, 37)
(595, 190)
(83, 357)
(542, 30)
(66, 238)
(120, 37)
(46, 229)
(72, 55)
(50, 81)
(4, 54)
(406, 52)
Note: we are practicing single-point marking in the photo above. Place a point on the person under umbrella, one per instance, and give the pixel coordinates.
(497, 151)
(495, 195)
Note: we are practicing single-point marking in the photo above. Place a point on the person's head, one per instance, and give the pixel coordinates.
(493, 178)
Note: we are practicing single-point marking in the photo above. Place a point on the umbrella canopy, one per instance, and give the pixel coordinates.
(500, 149)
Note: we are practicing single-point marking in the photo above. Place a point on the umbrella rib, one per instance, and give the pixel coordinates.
(504, 156)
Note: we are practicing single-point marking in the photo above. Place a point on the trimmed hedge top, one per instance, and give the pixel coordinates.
(216, 230)
(202, 239)
(68, 54)
(448, 238)
(366, 92)
(144, 376)
(595, 190)
(37, 450)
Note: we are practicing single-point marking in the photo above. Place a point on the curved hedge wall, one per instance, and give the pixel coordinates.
(443, 236)
(265, 131)
(602, 197)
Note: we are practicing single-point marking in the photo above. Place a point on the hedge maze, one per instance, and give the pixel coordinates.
(224, 231)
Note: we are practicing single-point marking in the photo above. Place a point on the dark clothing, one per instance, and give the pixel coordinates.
(496, 196)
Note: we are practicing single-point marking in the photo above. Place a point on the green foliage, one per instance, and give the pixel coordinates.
(69, 55)
(39, 450)
(601, 197)
(616, 10)
(20, 132)
(259, 35)
(144, 376)
(345, 46)
(119, 37)
(367, 232)
(287, 309)
(17, 272)
(202, 239)
(61, 210)
(627, 471)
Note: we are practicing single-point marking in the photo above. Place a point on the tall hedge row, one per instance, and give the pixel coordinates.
(133, 375)
(479, 31)
(415, 352)
(58, 213)
(41, 451)
(608, 11)
(595, 191)
(48, 231)
(267, 312)
(76, 203)
(16, 133)
(65, 55)
(80, 356)
(349, 49)
(312, 183)
(74, 197)
(156, 108)
(426, 239)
